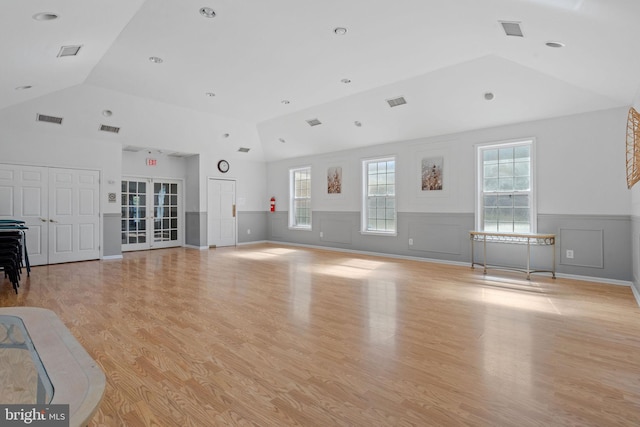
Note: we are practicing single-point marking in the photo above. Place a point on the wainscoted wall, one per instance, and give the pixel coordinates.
(635, 261)
(256, 223)
(195, 229)
(600, 243)
(112, 236)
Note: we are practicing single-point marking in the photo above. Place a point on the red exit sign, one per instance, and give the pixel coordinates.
(151, 162)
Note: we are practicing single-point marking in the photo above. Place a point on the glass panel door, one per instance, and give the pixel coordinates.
(151, 214)
(134, 215)
(165, 208)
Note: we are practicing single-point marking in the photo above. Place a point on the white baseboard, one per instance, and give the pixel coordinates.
(200, 248)
(601, 280)
(636, 293)
(253, 243)
(108, 257)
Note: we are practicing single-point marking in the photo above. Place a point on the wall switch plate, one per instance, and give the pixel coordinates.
(248, 231)
(569, 253)
(321, 234)
(410, 242)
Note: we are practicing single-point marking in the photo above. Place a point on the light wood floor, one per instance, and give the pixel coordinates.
(274, 336)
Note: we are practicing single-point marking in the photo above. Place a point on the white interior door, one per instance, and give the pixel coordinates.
(61, 207)
(221, 212)
(151, 213)
(24, 196)
(74, 218)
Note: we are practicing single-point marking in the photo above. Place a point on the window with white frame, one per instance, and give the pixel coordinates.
(505, 199)
(379, 196)
(300, 198)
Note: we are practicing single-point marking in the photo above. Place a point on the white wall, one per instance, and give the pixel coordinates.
(47, 147)
(580, 168)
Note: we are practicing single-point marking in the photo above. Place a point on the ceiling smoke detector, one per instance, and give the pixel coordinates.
(341, 31)
(155, 59)
(489, 96)
(207, 12)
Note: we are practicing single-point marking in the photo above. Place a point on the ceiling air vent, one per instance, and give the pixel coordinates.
(131, 149)
(244, 150)
(314, 122)
(512, 28)
(396, 101)
(68, 51)
(111, 129)
(49, 119)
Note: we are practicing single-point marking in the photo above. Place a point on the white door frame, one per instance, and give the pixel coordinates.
(181, 215)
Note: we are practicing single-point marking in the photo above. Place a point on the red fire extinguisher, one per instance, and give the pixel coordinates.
(273, 204)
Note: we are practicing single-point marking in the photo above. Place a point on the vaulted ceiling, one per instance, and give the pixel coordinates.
(253, 74)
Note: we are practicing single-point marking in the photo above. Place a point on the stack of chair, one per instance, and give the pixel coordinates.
(12, 250)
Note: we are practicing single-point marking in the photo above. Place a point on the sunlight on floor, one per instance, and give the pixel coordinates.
(514, 298)
(350, 268)
(263, 253)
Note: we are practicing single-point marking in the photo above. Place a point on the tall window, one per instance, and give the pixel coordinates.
(300, 198)
(506, 201)
(379, 201)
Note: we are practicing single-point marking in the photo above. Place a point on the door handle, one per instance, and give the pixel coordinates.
(52, 220)
(234, 210)
(43, 220)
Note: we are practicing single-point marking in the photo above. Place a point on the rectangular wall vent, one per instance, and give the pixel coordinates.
(512, 28)
(314, 122)
(111, 129)
(396, 101)
(68, 51)
(49, 119)
(244, 150)
(132, 149)
(180, 155)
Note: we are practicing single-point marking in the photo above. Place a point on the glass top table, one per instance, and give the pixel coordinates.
(42, 363)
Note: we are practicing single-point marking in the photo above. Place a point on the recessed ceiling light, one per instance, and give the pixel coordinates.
(286, 102)
(346, 81)
(489, 96)
(341, 31)
(210, 94)
(555, 44)
(155, 60)
(107, 113)
(25, 87)
(225, 135)
(282, 140)
(357, 123)
(207, 12)
(45, 16)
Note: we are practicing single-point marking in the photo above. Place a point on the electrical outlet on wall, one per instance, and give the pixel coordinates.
(569, 253)
(410, 242)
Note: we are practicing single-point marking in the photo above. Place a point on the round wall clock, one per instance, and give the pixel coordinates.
(223, 166)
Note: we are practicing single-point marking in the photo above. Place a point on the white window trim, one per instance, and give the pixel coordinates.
(363, 206)
(534, 177)
(292, 213)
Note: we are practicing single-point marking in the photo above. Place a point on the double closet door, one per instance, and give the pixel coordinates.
(60, 206)
(151, 213)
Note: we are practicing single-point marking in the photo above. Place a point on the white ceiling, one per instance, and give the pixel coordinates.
(441, 55)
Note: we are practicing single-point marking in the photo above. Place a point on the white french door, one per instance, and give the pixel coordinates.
(221, 212)
(151, 213)
(61, 208)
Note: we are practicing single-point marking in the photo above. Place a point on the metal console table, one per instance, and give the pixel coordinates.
(528, 239)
